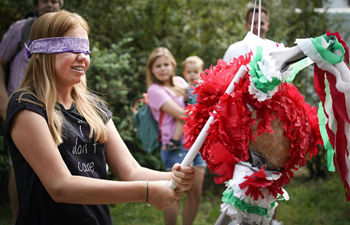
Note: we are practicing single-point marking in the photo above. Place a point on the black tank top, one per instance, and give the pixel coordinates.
(82, 156)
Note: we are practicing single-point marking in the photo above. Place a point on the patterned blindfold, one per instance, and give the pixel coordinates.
(58, 45)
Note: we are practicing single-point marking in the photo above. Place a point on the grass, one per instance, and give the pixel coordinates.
(315, 202)
(312, 202)
(136, 213)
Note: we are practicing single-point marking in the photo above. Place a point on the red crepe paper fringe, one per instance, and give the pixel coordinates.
(230, 133)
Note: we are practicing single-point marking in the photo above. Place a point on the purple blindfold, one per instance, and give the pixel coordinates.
(58, 45)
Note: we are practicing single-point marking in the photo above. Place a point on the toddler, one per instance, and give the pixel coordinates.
(193, 67)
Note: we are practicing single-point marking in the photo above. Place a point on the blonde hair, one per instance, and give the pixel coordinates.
(193, 60)
(40, 79)
(151, 78)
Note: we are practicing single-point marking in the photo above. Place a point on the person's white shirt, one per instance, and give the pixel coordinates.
(249, 43)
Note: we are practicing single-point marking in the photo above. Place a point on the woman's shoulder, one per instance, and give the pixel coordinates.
(24, 100)
(157, 94)
(154, 88)
(180, 81)
(23, 97)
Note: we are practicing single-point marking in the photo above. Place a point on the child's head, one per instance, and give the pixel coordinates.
(160, 64)
(193, 66)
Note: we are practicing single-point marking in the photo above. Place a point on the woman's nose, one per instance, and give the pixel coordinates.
(82, 56)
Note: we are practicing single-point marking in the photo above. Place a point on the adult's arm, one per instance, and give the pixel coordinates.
(8, 49)
(159, 98)
(172, 108)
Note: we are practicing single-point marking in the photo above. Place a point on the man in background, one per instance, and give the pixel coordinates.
(13, 63)
(240, 48)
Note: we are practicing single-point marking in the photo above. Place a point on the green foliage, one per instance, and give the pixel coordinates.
(11, 11)
(4, 168)
(296, 19)
(318, 166)
(112, 75)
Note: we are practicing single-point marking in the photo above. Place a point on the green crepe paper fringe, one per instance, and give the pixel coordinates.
(229, 198)
(258, 78)
(327, 145)
(334, 53)
(296, 68)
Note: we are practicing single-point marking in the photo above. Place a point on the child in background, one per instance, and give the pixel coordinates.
(193, 67)
(167, 93)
